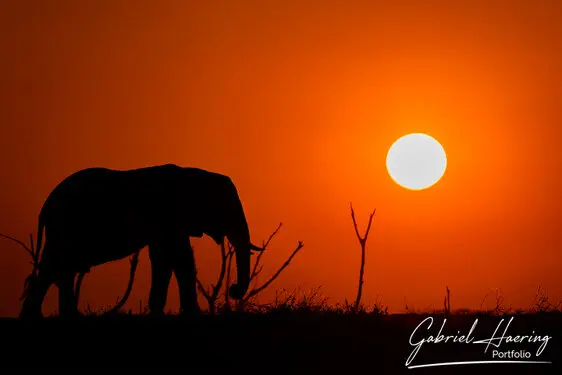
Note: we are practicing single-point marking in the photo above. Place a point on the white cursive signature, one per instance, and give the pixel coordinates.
(496, 341)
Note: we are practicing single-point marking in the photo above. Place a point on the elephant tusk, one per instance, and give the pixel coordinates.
(254, 247)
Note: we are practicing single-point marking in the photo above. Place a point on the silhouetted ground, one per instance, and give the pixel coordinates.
(310, 341)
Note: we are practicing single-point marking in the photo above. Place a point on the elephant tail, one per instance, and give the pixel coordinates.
(35, 255)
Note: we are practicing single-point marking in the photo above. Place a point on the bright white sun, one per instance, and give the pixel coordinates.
(416, 161)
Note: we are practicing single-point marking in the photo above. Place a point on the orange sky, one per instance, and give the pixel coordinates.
(299, 104)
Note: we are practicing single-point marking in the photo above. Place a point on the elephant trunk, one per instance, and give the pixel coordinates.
(238, 234)
(238, 290)
(243, 251)
(239, 237)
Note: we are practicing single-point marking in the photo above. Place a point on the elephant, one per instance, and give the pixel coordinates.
(99, 215)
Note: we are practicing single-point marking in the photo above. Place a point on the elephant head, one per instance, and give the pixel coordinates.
(230, 222)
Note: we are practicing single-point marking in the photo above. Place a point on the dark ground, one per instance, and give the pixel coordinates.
(311, 342)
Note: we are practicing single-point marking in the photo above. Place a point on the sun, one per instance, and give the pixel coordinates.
(416, 161)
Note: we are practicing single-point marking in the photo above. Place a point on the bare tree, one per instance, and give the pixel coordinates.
(499, 307)
(256, 270)
(213, 293)
(543, 303)
(363, 243)
(258, 289)
(447, 302)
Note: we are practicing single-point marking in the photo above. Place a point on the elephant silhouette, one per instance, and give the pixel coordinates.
(99, 215)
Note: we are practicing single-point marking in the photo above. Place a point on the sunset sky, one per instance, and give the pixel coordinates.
(299, 102)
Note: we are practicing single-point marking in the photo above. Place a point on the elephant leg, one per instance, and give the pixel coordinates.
(68, 305)
(184, 271)
(161, 265)
(35, 295)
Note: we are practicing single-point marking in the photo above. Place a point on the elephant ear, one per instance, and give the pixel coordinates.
(217, 237)
(211, 213)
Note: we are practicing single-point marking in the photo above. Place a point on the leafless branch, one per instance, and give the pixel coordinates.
(256, 274)
(34, 261)
(266, 243)
(255, 291)
(255, 271)
(499, 308)
(257, 268)
(542, 301)
(78, 286)
(202, 289)
(217, 287)
(134, 263)
(226, 270)
(28, 249)
(213, 295)
(447, 302)
(362, 242)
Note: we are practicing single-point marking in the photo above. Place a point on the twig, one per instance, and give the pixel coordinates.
(29, 250)
(255, 271)
(134, 263)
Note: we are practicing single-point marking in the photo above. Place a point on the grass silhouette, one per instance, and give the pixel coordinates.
(293, 332)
